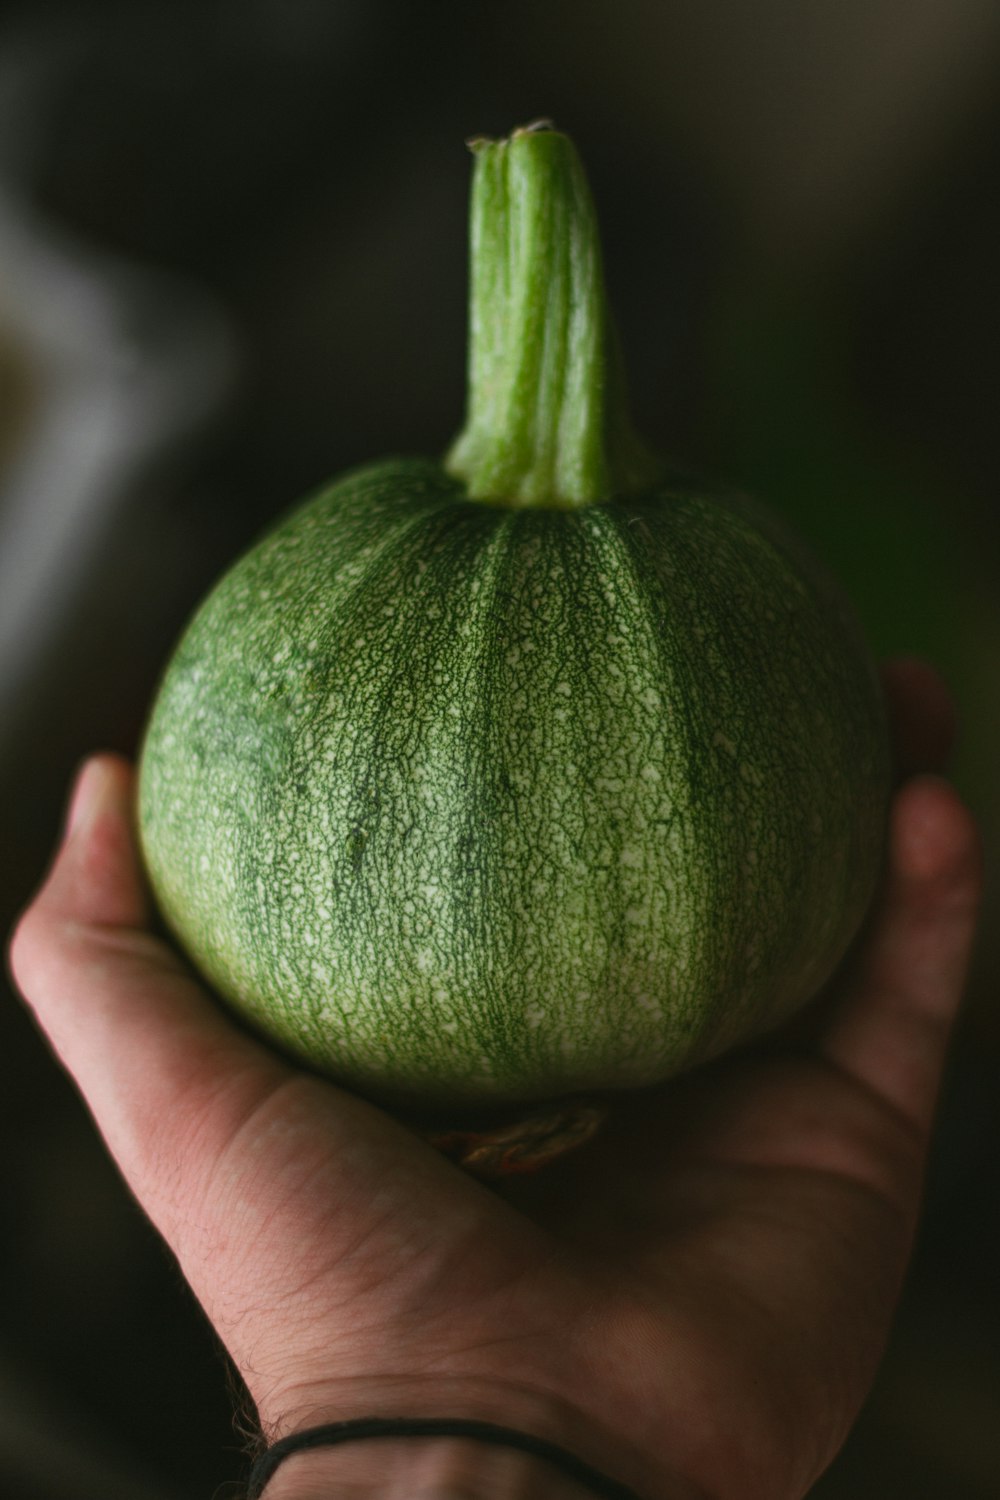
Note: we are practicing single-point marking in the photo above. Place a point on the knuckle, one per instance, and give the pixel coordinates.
(26, 945)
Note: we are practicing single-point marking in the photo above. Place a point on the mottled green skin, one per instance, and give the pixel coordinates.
(467, 803)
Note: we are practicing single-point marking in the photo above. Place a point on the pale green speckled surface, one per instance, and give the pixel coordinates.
(482, 803)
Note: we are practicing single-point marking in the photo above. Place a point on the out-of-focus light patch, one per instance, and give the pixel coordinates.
(123, 363)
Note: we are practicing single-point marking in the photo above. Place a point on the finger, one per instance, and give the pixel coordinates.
(103, 883)
(921, 716)
(890, 1029)
(155, 1058)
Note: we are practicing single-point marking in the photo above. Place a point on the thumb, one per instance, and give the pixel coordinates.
(166, 1074)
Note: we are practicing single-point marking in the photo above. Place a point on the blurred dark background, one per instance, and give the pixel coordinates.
(232, 262)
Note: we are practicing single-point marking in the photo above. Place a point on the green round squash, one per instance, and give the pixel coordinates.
(531, 773)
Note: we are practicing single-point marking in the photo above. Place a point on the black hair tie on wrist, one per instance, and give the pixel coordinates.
(458, 1427)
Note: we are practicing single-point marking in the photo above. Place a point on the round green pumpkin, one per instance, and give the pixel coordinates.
(466, 796)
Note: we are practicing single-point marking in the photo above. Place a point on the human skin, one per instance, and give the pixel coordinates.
(696, 1302)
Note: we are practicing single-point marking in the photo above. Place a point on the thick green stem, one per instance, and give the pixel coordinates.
(547, 423)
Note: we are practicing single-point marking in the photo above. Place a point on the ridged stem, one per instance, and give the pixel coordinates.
(547, 423)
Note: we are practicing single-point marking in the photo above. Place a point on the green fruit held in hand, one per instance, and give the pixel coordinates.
(529, 773)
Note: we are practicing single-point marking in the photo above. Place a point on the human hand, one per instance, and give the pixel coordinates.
(696, 1302)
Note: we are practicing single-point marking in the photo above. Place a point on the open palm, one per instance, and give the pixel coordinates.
(695, 1302)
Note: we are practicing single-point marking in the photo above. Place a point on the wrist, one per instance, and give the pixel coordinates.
(534, 1414)
(426, 1468)
(293, 1408)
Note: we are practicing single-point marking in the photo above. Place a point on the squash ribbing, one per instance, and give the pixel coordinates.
(468, 803)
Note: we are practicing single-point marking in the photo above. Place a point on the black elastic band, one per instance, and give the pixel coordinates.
(458, 1427)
